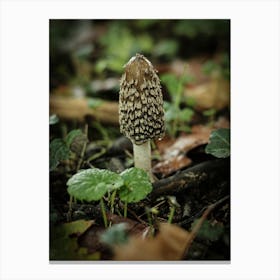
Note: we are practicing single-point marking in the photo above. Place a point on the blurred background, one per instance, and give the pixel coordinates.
(192, 57)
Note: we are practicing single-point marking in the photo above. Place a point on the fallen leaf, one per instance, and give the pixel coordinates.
(171, 165)
(213, 94)
(208, 92)
(169, 244)
(91, 238)
(174, 157)
(63, 241)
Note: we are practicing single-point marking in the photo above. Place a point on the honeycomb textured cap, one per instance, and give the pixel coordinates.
(141, 113)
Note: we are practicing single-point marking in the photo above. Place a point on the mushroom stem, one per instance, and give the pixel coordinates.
(142, 157)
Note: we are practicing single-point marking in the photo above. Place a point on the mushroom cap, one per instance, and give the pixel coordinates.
(141, 113)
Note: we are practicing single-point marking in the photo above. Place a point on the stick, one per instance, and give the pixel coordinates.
(198, 225)
(191, 177)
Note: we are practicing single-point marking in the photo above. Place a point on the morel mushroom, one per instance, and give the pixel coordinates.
(141, 112)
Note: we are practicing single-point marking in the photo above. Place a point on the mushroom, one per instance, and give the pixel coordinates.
(141, 113)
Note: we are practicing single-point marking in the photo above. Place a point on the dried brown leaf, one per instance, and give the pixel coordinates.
(169, 244)
(174, 157)
(213, 94)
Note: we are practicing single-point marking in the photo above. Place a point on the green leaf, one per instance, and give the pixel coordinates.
(190, 101)
(76, 140)
(92, 184)
(209, 112)
(171, 82)
(84, 51)
(53, 119)
(72, 135)
(58, 152)
(166, 47)
(137, 185)
(210, 66)
(186, 114)
(119, 44)
(171, 112)
(209, 231)
(219, 145)
(116, 234)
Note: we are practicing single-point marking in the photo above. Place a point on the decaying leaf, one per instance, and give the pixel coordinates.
(174, 157)
(207, 91)
(211, 94)
(93, 241)
(169, 244)
(64, 244)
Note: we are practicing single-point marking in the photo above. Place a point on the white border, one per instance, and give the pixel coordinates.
(24, 138)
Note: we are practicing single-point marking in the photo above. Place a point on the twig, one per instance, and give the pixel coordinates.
(191, 177)
(198, 225)
(203, 209)
(136, 217)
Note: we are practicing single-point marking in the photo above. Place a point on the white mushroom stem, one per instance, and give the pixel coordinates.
(142, 157)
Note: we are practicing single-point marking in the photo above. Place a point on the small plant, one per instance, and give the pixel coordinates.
(210, 113)
(215, 69)
(173, 204)
(177, 119)
(219, 145)
(62, 149)
(95, 184)
(119, 42)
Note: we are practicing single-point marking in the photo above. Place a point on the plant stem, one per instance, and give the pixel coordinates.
(69, 213)
(171, 214)
(142, 158)
(103, 210)
(125, 209)
(149, 216)
(83, 150)
(112, 200)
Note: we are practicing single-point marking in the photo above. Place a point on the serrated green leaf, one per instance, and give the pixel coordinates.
(72, 135)
(92, 184)
(58, 152)
(208, 231)
(219, 145)
(78, 143)
(137, 185)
